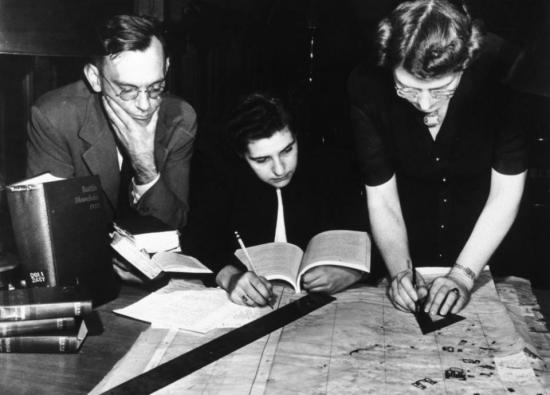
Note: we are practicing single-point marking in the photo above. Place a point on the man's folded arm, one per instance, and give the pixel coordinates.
(168, 198)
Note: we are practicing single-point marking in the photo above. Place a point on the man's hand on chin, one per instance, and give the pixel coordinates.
(137, 137)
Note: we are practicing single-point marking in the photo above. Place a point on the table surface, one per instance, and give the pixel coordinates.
(79, 373)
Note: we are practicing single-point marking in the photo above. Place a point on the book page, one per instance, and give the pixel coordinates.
(126, 247)
(158, 241)
(178, 263)
(40, 179)
(274, 261)
(338, 247)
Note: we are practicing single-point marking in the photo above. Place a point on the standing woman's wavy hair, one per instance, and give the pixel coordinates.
(429, 38)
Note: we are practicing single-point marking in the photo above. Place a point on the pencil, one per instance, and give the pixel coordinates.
(243, 247)
(417, 303)
(270, 301)
(413, 273)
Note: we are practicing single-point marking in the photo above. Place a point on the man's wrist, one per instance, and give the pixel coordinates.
(138, 191)
(145, 169)
(144, 178)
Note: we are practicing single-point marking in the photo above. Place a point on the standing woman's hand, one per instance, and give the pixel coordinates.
(402, 292)
(450, 293)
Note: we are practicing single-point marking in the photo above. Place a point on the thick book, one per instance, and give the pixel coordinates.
(43, 302)
(17, 328)
(50, 343)
(287, 262)
(61, 231)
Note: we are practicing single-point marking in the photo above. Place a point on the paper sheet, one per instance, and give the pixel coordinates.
(197, 310)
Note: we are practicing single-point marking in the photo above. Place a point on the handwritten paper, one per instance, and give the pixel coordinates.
(197, 310)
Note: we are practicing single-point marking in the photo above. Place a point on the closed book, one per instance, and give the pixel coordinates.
(61, 231)
(17, 328)
(51, 343)
(43, 302)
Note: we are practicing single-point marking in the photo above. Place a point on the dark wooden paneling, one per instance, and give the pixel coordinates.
(53, 27)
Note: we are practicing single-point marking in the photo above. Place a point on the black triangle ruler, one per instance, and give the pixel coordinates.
(193, 360)
(428, 325)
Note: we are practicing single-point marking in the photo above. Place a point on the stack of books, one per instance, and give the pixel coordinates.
(43, 320)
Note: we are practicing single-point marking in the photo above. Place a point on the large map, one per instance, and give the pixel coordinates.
(357, 344)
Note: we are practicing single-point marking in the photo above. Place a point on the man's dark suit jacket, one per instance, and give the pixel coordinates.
(228, 196)
(69, 136)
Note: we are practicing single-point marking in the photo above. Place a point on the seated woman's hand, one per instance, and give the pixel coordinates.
(329, 279)
(447, 294)
(403, 294)
(245, 288)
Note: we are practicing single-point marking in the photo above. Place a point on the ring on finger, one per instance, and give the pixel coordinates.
(456, 291)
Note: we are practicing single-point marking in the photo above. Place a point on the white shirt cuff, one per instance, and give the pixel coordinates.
(139, 190)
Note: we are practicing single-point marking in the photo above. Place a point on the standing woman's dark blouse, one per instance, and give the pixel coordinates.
(442, 184)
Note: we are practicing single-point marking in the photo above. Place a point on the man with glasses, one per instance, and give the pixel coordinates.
(441, 151)
(120, 125)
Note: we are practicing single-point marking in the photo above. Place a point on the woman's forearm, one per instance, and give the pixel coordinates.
(495, 220)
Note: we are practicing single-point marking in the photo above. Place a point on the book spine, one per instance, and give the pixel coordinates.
(39, 344)
(29, 213)
(47, 310)
(36, 326)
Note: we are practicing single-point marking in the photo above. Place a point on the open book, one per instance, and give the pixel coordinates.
(287, 262)
(152, 265)
(149, 234)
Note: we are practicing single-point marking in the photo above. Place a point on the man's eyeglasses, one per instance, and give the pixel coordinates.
(153, 91)
(436, 94)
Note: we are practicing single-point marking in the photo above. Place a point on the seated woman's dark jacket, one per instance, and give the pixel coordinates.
(227, 196)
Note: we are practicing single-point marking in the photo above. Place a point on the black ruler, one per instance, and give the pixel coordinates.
(193, 360)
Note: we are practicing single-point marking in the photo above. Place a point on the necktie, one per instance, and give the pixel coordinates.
(124, 209)
(280, 230)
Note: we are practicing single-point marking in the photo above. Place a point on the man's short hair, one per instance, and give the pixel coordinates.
(257, 116)
(122, 33)
(428, 38)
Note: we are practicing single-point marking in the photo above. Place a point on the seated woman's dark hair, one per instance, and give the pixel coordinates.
(257, 116)
(429, 38)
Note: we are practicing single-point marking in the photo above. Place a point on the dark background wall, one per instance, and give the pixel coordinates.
(302, 50)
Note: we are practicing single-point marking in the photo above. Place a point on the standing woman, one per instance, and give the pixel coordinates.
(442, 156)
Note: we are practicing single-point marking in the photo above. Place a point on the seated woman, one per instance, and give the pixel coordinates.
(253, 184)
